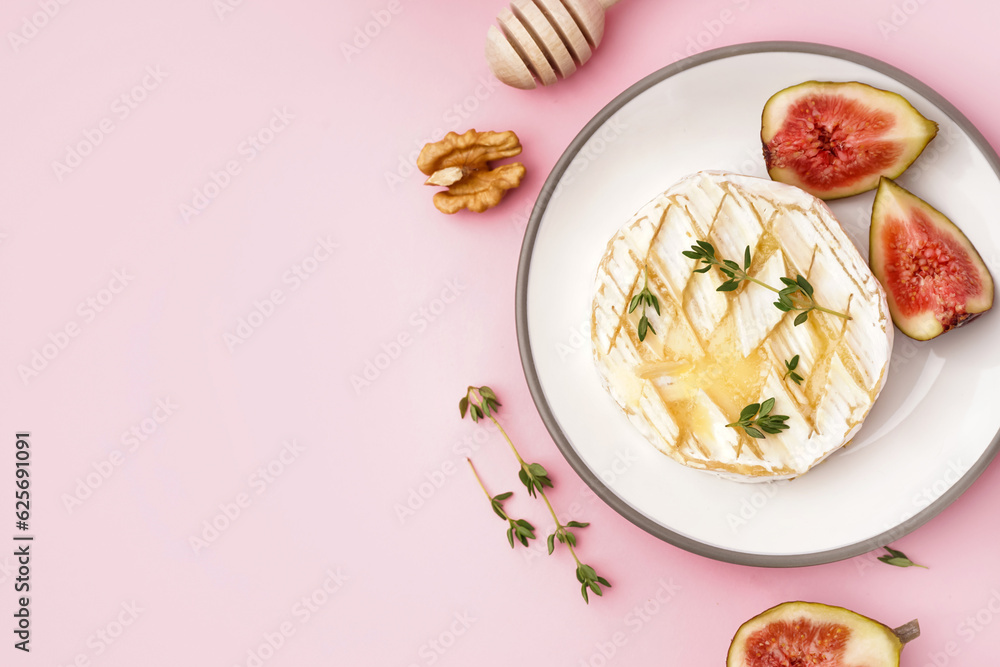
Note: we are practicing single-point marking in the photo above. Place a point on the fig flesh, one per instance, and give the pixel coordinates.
(835, 139)
(933, 277)
(809, 633)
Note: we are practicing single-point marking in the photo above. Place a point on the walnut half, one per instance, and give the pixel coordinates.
(461, 163)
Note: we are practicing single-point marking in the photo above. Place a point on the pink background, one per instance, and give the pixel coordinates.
(315, 556)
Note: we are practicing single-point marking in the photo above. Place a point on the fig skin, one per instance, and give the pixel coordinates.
(835, 139)
(964, 286)
(880, 646)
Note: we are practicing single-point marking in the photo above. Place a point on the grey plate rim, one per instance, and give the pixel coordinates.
(527, 359)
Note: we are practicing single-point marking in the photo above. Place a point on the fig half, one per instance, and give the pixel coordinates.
(809, 633)
(933, 277)
(835, 139)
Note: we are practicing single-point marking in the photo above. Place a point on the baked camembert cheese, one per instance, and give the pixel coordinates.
(714, 353)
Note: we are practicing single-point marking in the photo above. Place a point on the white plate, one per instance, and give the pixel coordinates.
(936, 425)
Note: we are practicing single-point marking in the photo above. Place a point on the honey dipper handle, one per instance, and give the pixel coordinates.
(608, 3)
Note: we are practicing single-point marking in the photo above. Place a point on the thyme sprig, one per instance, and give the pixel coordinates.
(520, 529)
(482, 403)
(644, 298)
(898, 559)
(757, 417)
(791, 365)
(796, 295)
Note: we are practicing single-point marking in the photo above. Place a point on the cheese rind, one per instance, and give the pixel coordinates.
(715, 352)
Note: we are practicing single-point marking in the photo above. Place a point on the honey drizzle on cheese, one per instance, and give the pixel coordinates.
(673, 384)
(713, 364)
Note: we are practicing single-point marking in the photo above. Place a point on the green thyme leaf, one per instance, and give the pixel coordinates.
(898, 559)
(765, 408)
(807, 289)
(655, 303)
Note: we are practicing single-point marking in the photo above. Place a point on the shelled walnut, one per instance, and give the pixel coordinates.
(460, 162)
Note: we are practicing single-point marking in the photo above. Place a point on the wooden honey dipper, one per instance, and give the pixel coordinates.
(544, 39)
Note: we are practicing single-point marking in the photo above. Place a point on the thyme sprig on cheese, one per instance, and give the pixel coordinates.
(646, 298)
(791, 365)
(757, 417)
(796, 295)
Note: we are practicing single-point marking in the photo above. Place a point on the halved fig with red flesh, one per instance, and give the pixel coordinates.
(809, 633)
(933, 277)
(835, 139)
